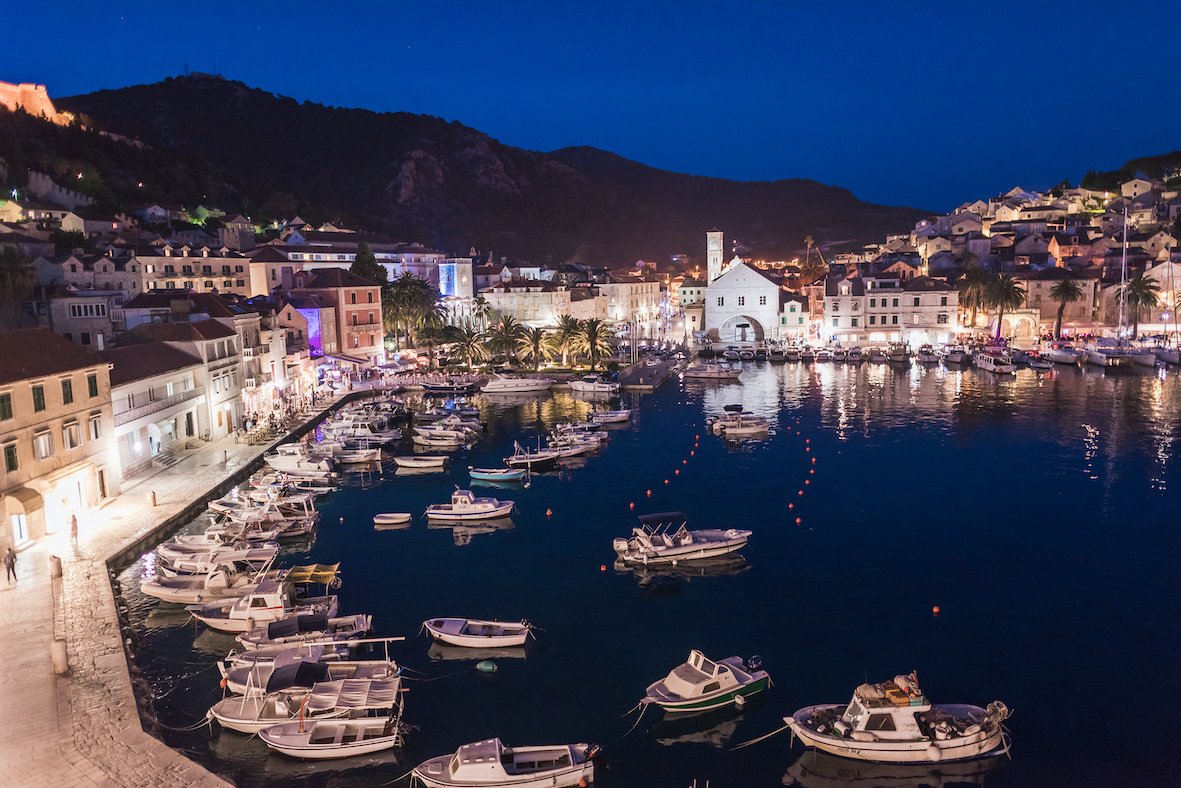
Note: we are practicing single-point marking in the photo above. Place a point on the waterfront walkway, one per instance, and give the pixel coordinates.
(83, 729)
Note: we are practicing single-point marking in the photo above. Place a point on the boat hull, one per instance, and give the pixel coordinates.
(922, 751)
(433, 773)
(447, 631)
(286, 739)
(716, 701)
(445, 512)
(695, 552)
(420, 462)
(497, 476)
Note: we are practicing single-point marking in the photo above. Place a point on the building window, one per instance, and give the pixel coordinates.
(894, 319)
(836, 321)
(370, 297)
(742, 300)
(916, 300)
(941, 318)
(853, 322)
(762, 300)
(873, 302)
(72, 435)
(43, 445)
(943, 301)
(352, 298)
(11, 463)
(38, 399)
(895, 302)
(92, 384)
(721, 301)
(873, 320)
(836, 306)
(5, 407)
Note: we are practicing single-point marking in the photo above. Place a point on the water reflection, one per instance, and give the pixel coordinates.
(464, 532)
(441, 652)
(821, 770)
(705, 729)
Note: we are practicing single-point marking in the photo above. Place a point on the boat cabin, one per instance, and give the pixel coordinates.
(489, 761)
(699, 676)
(886, 711)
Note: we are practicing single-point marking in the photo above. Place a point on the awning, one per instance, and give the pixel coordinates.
(30, 500)
(312, 573)
(352, 359)
(354, 694)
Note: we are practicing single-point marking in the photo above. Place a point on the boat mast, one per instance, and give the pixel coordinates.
(1123, 277)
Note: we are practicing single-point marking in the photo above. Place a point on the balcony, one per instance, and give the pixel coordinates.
(247, 352)
(223, 362)
(158, 405)
(364, 326)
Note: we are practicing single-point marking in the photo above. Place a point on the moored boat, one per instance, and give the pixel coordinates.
(421, 461)
(594, 384)
(490, 763)
(513, 385)
(702, 684)
(895, 722)
(476, 633)
(392, 518)
(497, 474)
(711, 372)
(325, 739)
(994, 359)
(465, 505)
(1061, 353)
(665, 538)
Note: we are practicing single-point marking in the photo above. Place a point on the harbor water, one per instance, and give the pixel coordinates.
(1039, 513)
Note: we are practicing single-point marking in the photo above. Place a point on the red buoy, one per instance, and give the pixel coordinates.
(799, 520)
(935, 610)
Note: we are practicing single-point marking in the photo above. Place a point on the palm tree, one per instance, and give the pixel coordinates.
(504, 336)
(1140, 293)
(470, 346)
(534, 345)
(1003, 292)
(972, 287)
(1064, 292)
(594, 340)
(17, 278)
(565, 337)
(431, 328)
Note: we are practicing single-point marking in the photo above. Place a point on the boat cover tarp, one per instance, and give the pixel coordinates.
(295, 625)
(299, 674)
(354, 694)
(312, 573)
(663, 519)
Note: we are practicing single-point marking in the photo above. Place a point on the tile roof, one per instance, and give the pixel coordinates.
(198, 331)
(38, 352)
(136, 362)
(337, 277)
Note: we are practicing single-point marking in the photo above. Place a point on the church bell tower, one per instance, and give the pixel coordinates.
(714, 255)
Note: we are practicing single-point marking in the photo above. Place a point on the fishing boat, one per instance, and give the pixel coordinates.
(741, 425)
(432, 442)
(379, 700)
(994, 359)
(1061, 352)
(895, 722)
(777, 355)
(1040, 363)
(490, 763)
(245, 679)
(594, 384)
(422, 461)
(877, 356)
(392, 518)
(293, 459)
(954, 354)
(824, 354)
(466, 506)
(855, 355)
(497, 474)
(303, 628)
(807, 354)
(539, 460)
(792, 354)
(898, 353)
(515, 385)
(926, 355)
(710, 371)
(701, 684)
(269, 601)
(252, 558)
(225, 581)
(665, 538)
(281, 699)
(474, 633)
(839, 355)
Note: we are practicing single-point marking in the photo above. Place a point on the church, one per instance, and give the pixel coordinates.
(745, 305)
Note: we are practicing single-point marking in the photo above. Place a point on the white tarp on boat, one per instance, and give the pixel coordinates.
(354, 694)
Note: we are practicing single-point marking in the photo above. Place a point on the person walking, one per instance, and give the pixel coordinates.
(73, 527)
(10, 566)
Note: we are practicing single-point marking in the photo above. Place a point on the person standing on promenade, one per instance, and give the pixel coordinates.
(10, 566)
(73, 528)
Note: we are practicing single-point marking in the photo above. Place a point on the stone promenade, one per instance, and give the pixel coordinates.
(83, 729)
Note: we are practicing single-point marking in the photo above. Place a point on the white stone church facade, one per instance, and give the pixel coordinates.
(743, 305)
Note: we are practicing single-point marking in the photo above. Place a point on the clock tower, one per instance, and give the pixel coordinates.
(714, 255)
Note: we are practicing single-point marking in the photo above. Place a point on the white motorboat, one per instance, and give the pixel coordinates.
(731, 353)
(839, 355)
(466, 506)
(1040, 363)
(711, 372)
(489, 763)
(894, 722)
(280, 700)
(422, 461)
(223, 582)
(474, 633)
(855, 355)
(441, 431)
(898, 353)
(392, 518)
(172, 551)
(611, 416)
(807, 354)
(593, 384)
(954, 354)
(292, 459)
(269, 601)
(539, 460)
(1061, 353)
(701, 684)
(824, 354)
(926, 355)
(665, 538)
(432, 442)
(740, 425)
(325, 739)
(994, 359)
(792, 354)
(248, 678)
(877, 355)
(252, 558)
(515, 385)
(301, 629)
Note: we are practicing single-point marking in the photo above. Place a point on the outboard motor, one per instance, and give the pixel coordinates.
(754, 663)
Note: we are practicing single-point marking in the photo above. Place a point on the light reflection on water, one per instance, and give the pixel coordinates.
(1033, 508)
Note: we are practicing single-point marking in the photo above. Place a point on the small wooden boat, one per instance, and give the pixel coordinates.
(497, 474)
(701, 684)
(392, 518)
(466, 506)
(474, 633)
(611, 416)
(490, 763)
(437, 443)
(422, 461)
(894, 722)
(295, 631)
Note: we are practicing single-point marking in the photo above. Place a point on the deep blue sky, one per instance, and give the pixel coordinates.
(924, 104)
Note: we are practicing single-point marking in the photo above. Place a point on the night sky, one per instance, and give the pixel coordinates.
(921, 104)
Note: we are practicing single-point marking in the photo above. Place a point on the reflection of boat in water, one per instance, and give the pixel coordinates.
(464, 532)
(721, 566)
(816, 769)
(442, 652)
(710, 728)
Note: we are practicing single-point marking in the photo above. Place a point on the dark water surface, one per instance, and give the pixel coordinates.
(1041, 514)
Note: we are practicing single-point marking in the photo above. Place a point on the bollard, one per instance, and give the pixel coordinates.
(151, 497)
(55, 566)
(57, 655)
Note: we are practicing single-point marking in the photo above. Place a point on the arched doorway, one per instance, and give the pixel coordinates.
(741, 328)
(24, 511)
